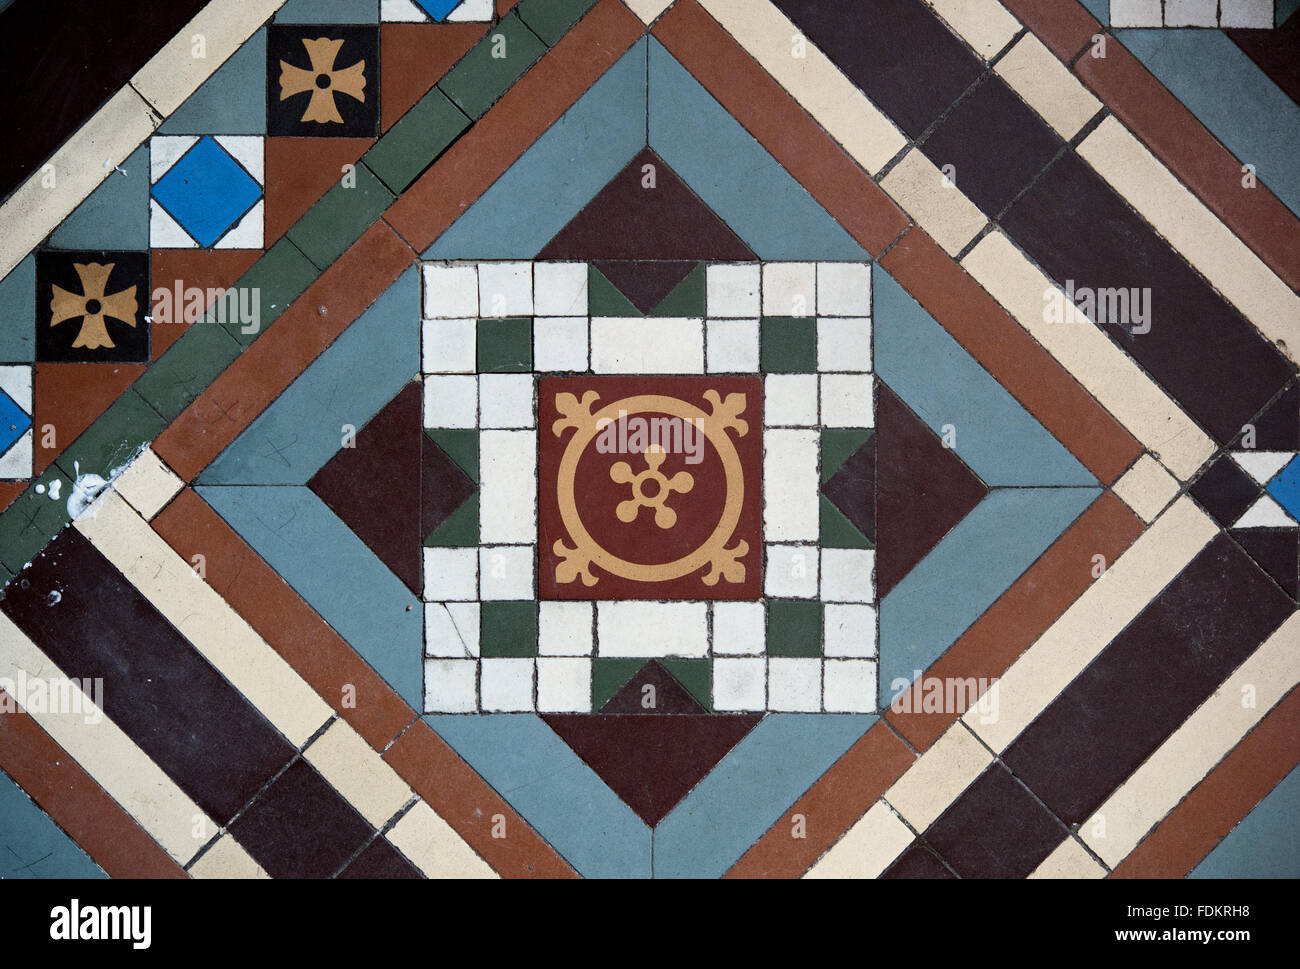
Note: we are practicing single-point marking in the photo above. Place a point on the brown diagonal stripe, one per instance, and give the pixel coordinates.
(1063, 25)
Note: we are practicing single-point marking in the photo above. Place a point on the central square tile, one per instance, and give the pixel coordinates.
(650, 487)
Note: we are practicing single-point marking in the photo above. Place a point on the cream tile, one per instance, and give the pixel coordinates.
(984, 24)
(1098, 364)
(631, 345)
(227, 859)
(507, 487)
(940, 208)
(812, 80)
(1095, 618)
(1048, 86)
(1069, 860)
(633, 628)
(1147, 488)
(938, 777)
(205, 619)
(648, 10)
(1192, 751)
(358, 773)
(432, 846)
(790, 504)
(1192, 229)
(148, 484)
(867, 848)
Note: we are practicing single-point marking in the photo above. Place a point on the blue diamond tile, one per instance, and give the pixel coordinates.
(207, 191)
(438, 9)
(1285, 488)
(14, 422)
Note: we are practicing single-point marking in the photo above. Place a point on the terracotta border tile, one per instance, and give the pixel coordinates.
(254, 590)
(1210, 170)
(780, 125)
(830, 807)
(468, 804)
(1006, 350)
(72, 798)
(278, 356)
(439, 196)
(1063, 25)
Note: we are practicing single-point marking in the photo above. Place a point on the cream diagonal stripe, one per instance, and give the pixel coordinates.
(112, 758)
(1193, 750)
(91, 154)
(867, 848)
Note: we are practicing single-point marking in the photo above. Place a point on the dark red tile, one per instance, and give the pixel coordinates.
(68, 397)
(918, 861)
(299, 171)
(1276, 551)
(380, 860)
(645, 282)
(414, 58)
(1277, 428)
(1225, 491)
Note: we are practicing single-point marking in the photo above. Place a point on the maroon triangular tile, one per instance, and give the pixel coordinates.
(444, 486)
(374, 487)
(1276, 551)
(922, 490)
(852, 489)
(627, 220)
(1277, 428)
(651, 763)
(665, 694)
(645, 282)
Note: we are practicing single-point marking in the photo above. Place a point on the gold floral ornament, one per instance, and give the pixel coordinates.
(650, 488)
(323, 80)
(93, 306)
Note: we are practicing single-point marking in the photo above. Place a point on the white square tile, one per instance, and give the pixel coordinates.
(1135, 13)
(791, 511)
(560, 288)
(506, 572)
(1246, 13)
(739, 628)
(448, 346)
(850, 686)
(505, 289)
(740, 684)
(450, 685)
(450, 574)
(849, 630)
(732, 290)
(565, 628)
(847, 400)
(451, 401)
(638, 628)
(790, 399)
(847, 575)
(791, 572)
(732, 346)
(248, 150)
(506, 685)
(1191, 13)
(507, 487)
(506, 400)
(633, 345)
(789, 288)
(559, 343)
(563, 685)
(843, 289)
(794, 684)
(844, 343)
(451, 629)
(450, 291)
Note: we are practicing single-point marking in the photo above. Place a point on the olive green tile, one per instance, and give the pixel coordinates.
(492, 66)
(507, 629)
(837, 531)
(416, 140)
(552, 19)
(505, 345)
(32, 519)
(696, 675)
(279, 277)
(608, 676)
(788, 344)
(460, 445)
(794, 627)
(339, 218)
(114, 437)
(459, 529)
(604, 298)
(190, 364)
(838, 444)
(686, 298)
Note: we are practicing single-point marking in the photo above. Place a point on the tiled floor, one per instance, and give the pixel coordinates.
(632, 437)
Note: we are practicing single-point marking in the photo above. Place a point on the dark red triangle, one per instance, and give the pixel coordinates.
(651, 763)
(922, 490)
(1276, 551)
(627, 221)
(374, 487)
(852, 489)
(1278, 427)
(668, 696)
(645, 282)
(444, 486)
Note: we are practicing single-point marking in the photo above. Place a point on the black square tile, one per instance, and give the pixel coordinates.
(91, 307)
(322, 80)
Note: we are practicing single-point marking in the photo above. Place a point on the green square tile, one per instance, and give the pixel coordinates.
(492, 66)
(459, 529)
(339, 218)
(604, 298)
(278, 278)
(187, 368)
(113, 439)
(418, 138)
(460, 445)
(838, 444)
(505, 345)
(788, 344)
(552, 19)
(686, 298)
(32, 519)
(794, 627)
(608, 676)
(508, 629)
(696, 675)
(836, 530)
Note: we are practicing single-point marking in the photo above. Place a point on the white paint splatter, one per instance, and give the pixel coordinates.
(54, 598)
(55, 487)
